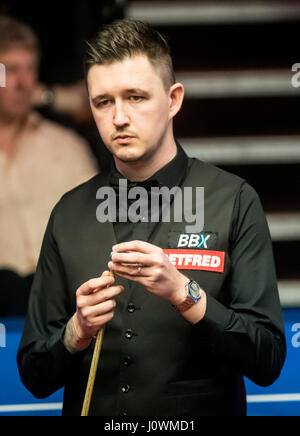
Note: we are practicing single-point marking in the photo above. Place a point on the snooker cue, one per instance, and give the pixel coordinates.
(93, 370)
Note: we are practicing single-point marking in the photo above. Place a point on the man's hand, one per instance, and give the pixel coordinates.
(147, 264)
(95, 308)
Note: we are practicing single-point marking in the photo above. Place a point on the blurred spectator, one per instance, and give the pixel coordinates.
(39, 161)
(63, 28)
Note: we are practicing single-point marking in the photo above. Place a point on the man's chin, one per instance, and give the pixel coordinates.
(127, 154)
(128, 159)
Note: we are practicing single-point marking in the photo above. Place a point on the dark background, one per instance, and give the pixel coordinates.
(62, 27)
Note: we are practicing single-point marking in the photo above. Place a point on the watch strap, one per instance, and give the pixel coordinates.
(188, 302)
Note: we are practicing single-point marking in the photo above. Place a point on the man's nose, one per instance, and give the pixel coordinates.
(25, 79)
(121, 117)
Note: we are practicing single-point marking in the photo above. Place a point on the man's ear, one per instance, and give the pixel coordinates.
(176, 95)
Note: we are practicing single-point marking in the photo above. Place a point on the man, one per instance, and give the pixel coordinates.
(182, 326)
(39, 162)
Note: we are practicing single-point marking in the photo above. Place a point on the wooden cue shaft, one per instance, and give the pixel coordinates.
(92, 374)
(93, 370)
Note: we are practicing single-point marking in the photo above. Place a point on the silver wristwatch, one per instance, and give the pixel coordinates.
(194, 293)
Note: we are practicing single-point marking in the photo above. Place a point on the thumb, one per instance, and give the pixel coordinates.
(107, 273)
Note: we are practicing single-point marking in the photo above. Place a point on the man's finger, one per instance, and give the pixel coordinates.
(130, 270)
(106, 273)
(94, 284)
(139, 246)
(135, 258)
(104, 294)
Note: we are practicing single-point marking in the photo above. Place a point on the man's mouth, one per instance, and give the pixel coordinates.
(124, 139)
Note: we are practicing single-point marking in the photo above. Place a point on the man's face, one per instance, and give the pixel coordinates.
(21, 75)
(130, 106)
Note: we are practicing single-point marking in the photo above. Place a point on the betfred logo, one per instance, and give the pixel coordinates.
(193, 240)
(204, 260)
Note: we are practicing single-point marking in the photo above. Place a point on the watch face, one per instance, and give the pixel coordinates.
(194, 289)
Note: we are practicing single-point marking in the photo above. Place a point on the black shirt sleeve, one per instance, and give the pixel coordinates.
(248, 331)
(44, 362)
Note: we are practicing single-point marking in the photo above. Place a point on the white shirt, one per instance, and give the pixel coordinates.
(49, 161)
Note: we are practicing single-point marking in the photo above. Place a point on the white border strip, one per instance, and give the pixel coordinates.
(244, 150)
(237, 84)
(284, 226)
(289, 293)
(166, 13)
(30, 407)
(273, 398)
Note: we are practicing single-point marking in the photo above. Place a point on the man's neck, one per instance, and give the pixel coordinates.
(144, 168)
(10, 130)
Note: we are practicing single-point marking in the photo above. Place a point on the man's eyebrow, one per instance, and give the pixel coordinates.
(136, 91)
(101, 97)
(126, 91)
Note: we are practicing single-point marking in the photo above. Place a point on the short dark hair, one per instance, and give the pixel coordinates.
(15, 34)
(127, 38)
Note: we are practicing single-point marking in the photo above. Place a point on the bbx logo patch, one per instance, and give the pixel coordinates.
(193, 240)
(206, 240)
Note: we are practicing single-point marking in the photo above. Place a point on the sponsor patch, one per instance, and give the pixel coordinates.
(201, 241)
(204, 260)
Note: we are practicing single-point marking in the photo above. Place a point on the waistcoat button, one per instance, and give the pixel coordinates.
(125, 389)
(129, 334)
(127, 361)
(131, 308)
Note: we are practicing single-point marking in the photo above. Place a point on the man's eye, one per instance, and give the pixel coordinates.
(103, 103)
(98, 104)
(11, 69)
(136, 98)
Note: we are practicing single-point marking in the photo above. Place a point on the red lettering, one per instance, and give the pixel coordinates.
(204, 260)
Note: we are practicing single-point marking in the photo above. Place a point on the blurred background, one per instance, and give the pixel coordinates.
(238, 62)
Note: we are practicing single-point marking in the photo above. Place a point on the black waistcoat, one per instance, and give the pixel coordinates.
(153, 362)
